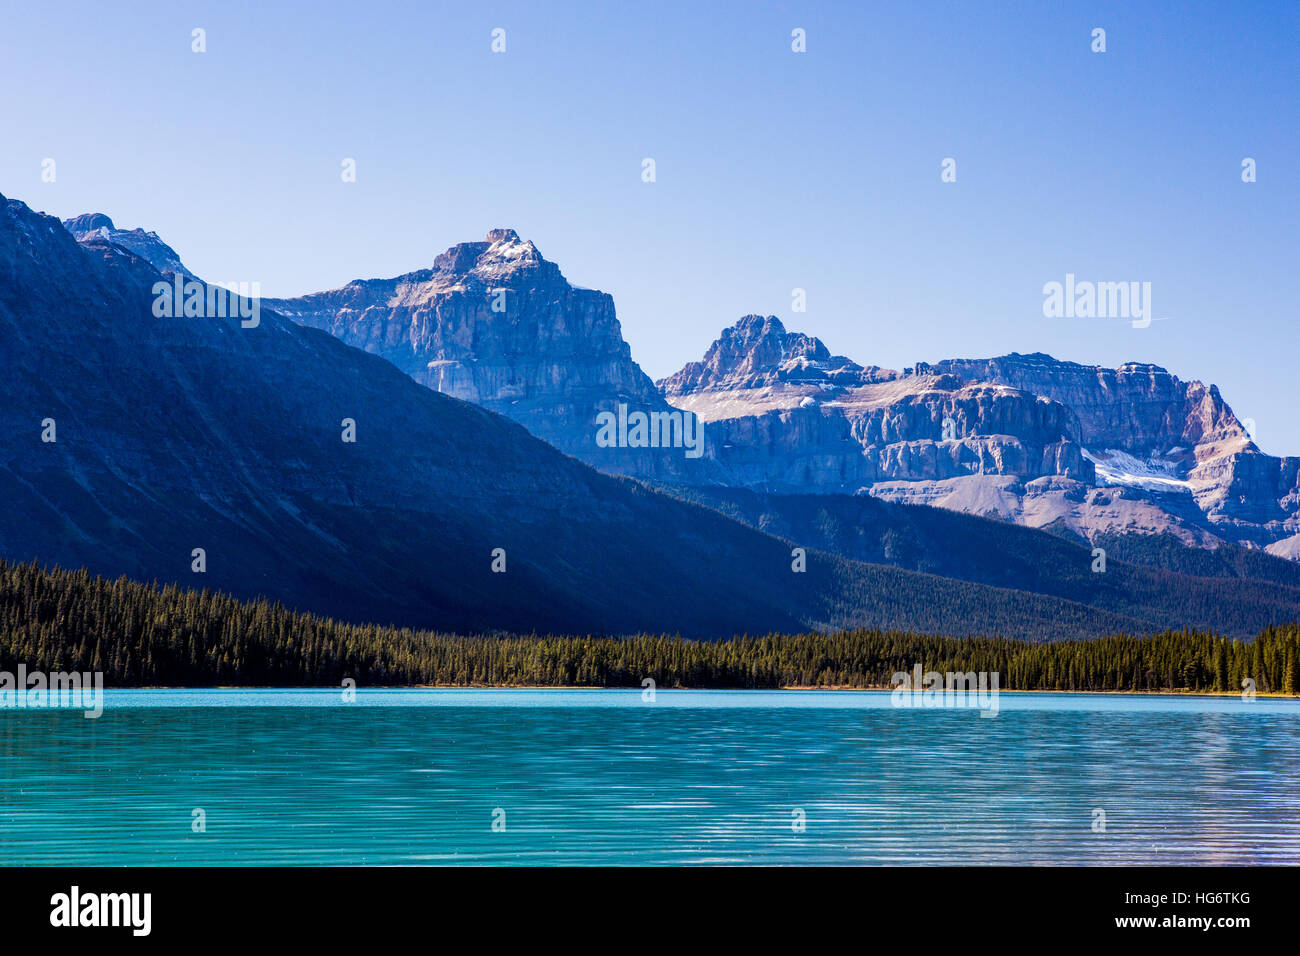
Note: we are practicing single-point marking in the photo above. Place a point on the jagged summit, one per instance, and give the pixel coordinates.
(758, 351)
(501, 255)
(752, 325)
(97, 227)
(1045, 360)
(88, 222)
(175, 434)
(494, 322)
(1028, 437)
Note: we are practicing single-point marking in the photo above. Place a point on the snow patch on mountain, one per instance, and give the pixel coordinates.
(1115, 467)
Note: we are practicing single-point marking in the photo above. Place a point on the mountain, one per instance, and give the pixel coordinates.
(202, 433)
(1027, 438)
(1146, 429)
(758, 353)
(97, 227)
(127, 441)
(1048, 444)
(1155, 578)
(784, 422)
(496, 324)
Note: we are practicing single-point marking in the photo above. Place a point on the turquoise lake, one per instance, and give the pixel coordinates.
(603, 777)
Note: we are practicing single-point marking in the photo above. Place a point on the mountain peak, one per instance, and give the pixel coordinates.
(753, 329)
(757, 323)
(501, 254)
(87, 223)
(1139, 408)
(494, 322)
(758, 351)
(95, 226)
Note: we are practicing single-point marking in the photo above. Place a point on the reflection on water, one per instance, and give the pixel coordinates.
(601, 777)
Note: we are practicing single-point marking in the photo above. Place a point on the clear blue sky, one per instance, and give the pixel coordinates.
(775, 170)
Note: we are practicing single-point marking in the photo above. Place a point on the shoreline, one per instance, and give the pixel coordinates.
(843, 688)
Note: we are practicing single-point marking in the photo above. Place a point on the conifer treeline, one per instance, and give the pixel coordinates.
(140, 635)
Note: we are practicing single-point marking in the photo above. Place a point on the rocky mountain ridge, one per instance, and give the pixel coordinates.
(276, 460)
(98, 227)
(1027, 438)
(758, 352)
(495, 323)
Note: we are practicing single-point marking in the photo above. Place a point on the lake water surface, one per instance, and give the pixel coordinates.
(603, 777)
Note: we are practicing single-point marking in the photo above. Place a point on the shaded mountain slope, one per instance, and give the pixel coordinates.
(1024, 437)
(1165, 583)
(175, 434)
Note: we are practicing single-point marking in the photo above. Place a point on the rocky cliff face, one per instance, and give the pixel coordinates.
(496, 324)
(1027, 438)
(96, 227)
(1022, 437)
(1135, 408)
(923, 429)
(128, 441)
(757, 352)
(1147, 429)
(492, 323)
(787, 416)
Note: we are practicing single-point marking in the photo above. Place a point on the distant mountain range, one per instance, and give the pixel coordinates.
(182, 433)
(1028, 438)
